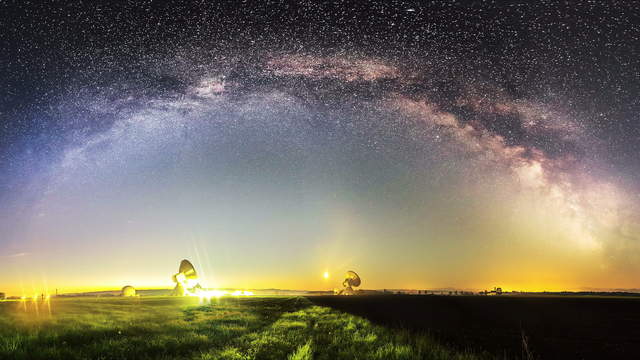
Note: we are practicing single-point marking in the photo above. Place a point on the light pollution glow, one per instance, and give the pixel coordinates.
(263, 187)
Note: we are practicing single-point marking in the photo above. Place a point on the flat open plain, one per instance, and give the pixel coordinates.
(182, 328)
(555, 327)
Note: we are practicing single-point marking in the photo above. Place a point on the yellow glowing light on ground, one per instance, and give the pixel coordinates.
(207, 294)
(210, 294)
(325, 275)
(241, 293)
(48, 303)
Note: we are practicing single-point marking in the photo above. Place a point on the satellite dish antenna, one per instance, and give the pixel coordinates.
(186, 268)
(128, 291)
(186, 279)
(351, 280)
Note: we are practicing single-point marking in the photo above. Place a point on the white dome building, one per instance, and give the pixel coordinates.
(128, 291)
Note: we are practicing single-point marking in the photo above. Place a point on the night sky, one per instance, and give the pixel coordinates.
(458, 144)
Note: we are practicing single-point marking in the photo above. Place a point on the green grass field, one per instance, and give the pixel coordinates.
(181, 328)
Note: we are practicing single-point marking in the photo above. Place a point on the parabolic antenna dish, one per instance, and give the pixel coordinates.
(128, 291)
(186, 268)
(186, 279)
(352, 279)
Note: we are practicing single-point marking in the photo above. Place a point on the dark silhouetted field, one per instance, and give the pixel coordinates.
(180, 328)
(554, 327)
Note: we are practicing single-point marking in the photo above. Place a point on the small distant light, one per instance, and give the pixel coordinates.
(325, 275)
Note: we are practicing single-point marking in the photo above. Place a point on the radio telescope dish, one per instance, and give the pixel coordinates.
(186, 279)
(128, 291)
(186, 268)
(351, 280)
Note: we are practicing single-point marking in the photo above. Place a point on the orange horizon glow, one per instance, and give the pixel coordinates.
(506, 287)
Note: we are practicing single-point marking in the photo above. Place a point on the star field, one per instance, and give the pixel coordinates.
(432, 137)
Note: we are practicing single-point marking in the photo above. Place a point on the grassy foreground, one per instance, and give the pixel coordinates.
(179, 328)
